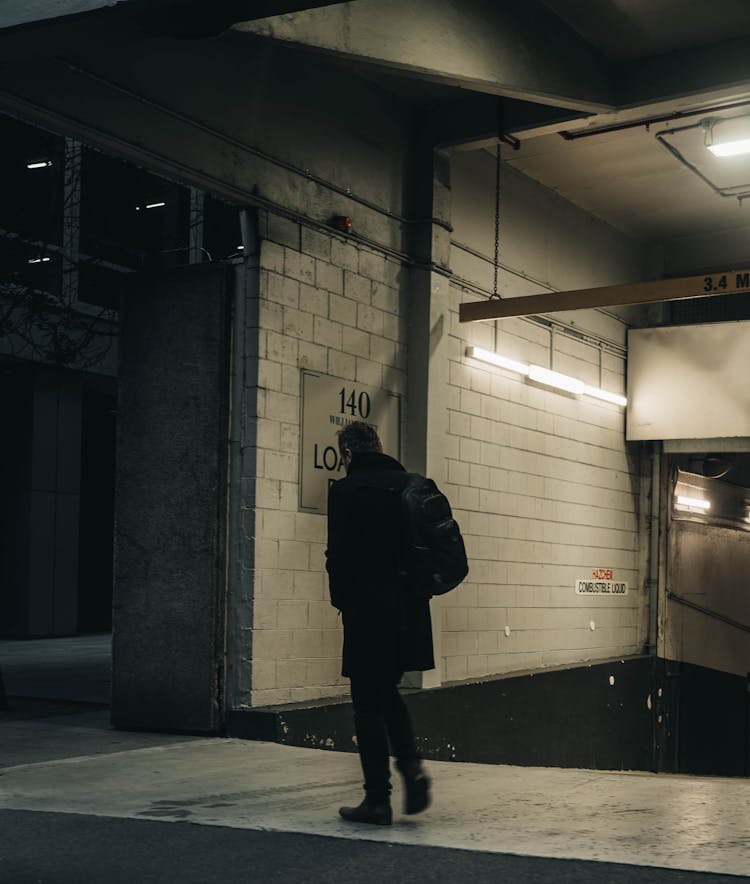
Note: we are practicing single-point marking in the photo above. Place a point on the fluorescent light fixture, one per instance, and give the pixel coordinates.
(41, 164)
(605, 396)
(39, 260)
(693, 503)
(728, 137)
(555, 379)
(731, 149)
(496, 359)
(545, 376)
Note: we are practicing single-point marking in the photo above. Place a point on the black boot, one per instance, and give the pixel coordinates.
(416, 786)
(369, 811)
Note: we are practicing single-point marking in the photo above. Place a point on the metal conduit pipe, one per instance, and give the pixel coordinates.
(575, 134)
(253, 151)
(739, 192)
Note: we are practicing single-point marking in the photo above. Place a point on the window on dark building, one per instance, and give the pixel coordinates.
(31, 182)
(222, 236)
(131, 217)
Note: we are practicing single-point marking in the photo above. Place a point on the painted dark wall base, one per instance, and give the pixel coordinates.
(604, 716)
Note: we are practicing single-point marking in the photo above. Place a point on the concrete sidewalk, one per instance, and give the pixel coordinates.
(75, 764)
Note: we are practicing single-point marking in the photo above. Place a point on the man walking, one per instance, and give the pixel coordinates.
(387, 629)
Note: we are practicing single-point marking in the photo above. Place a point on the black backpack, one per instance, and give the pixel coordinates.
(433, 556)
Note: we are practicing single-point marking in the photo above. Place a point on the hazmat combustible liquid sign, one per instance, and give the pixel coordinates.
(602, 582)
(328, 405)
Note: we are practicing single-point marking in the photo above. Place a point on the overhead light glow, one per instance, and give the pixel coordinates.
(555, 379)
(731, 148)
(605, 395)
(41, 164)
(150, 206)
(39, 260)
(545, 376)
(693, 503)
(496, 359)
(728, 137)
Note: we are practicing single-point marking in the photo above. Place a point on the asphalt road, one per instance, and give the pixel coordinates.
(54, 848)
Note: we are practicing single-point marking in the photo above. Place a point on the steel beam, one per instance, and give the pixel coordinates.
(519, 50)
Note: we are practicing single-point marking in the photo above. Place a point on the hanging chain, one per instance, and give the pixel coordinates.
(495, 290)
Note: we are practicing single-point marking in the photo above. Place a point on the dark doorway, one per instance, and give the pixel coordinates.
(98, 424)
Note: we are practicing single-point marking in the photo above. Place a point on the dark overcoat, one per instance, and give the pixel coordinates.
(386, 627)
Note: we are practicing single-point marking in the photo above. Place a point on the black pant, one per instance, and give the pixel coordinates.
(380, 718)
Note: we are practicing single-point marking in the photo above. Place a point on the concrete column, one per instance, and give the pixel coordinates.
(429, 327)
(170, 501)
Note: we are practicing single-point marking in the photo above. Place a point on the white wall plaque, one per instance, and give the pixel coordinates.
(328, 405)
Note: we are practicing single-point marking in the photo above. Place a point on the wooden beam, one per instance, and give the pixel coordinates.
(723, 282)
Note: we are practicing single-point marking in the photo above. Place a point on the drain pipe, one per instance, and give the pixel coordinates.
(654, 519)
(239, 603)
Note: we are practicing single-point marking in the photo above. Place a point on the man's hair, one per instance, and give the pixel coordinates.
(359, 438)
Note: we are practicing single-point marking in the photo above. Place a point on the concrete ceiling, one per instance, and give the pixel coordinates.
(630, 179)
(627, 176)
(632, 29)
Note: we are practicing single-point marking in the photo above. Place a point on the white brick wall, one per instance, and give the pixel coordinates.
(542, 484)
(324, 304)
(545, 492)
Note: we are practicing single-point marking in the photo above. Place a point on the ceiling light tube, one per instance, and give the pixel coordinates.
(605, 396)
(728, 137)
(555, 379)
(39, 260)
(693, 503)
(731, 148)
(42, 164)
(545, 376)
(496, 359)
(155, 205)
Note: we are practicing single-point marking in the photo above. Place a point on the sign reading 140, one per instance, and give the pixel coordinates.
(357, 405)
